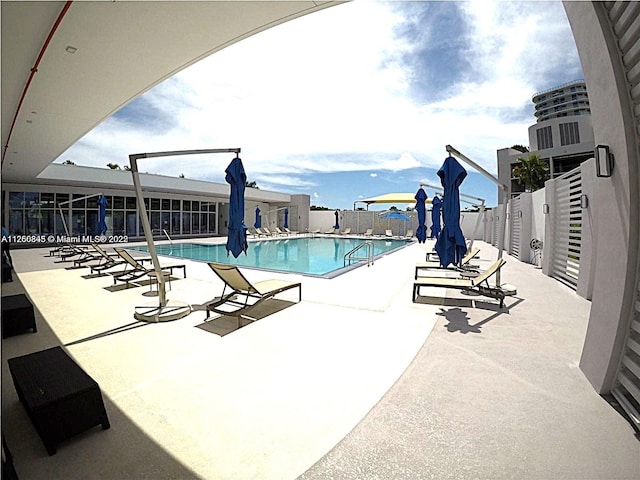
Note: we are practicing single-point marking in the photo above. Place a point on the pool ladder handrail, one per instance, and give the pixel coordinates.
(350, 254)
(166, 234)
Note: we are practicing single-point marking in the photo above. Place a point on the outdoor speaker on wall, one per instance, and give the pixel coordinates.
(604, 161)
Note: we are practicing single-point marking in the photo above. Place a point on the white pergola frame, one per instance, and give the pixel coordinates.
(164, 311)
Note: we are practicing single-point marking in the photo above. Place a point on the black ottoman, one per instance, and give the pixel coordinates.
(59, 397)
(17, 315)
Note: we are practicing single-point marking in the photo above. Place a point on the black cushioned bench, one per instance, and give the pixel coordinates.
(17, 315)
(59, 397)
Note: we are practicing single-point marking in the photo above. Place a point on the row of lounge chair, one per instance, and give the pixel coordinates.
(265, 232)
(367, 233)
(239, 296)
(470, 278)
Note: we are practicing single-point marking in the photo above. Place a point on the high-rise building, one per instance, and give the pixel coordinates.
(562, 135)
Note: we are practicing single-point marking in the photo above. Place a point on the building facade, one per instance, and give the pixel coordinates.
(63, 201)
(562, 135)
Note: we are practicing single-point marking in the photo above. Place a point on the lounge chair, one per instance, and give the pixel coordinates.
(280, 232)
(135, 270)
(409, 234)
(479, 284)
(239, 296)
(369, 232)
(86, 256)
(346, 231)
(388, 233)
(317, 230)
(68, 251)
(331, 231)
(290, 232)
(268, 232)
(464, 263)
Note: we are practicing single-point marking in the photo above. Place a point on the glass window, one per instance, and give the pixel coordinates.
(164, 218)
(186, 223)
(92, 222)
(195, 206)
(212, 223)
(16, 224)
(78, 223)
(117, 223)
(155, 204)
(175, 205)
(132, 217)
(131, 203)
(155, 222)
(31, 198)
(62, 197)
(166, 204)
(146, 204)
(203, 223)
(186, 205)
(175, 223)
(61, 221)
(16, 199)
(77, 203)
(47, 200)
(47, 223)
(118, 203)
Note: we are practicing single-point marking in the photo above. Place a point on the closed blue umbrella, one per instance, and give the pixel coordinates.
(286, 218)
(237, 231)
(435, 217)
(337, 225)
(102, 215)
(421, 231)
(450, 245)
(258, 222)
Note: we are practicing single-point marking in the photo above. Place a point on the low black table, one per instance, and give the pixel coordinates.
(17, 315)
(59, 397)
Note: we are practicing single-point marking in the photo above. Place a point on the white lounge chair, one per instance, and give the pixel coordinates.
(464, 263)
(239, 296)
(479, 284)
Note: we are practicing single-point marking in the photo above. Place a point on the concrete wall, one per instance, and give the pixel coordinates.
(615, 200)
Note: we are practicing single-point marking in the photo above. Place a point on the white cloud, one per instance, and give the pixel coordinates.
(373, 175)
(327, 93)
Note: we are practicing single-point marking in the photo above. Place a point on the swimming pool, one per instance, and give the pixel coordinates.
(316, 256)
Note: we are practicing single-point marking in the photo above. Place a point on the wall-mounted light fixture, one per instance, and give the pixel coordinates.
(584, 201)
(604, 161)
(545, 208)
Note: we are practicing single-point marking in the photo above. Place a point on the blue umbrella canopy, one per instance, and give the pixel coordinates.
(337, 225)
(237, 231)
(286, 218)
(435, 217)
(451, 245)
(102, 215)
(258, 222)
(421, 231)
(396, 215)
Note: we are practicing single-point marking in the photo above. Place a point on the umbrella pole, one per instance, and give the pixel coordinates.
(165, 311)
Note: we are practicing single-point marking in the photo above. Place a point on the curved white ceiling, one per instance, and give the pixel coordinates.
(123, 49)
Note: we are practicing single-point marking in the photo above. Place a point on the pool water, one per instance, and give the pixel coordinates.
(317, 256)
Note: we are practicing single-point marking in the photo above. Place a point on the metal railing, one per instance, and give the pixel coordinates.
(349, 256)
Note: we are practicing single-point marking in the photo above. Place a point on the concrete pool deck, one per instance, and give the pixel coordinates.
(355, 381)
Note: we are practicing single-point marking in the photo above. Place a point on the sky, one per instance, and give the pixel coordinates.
(353, 101)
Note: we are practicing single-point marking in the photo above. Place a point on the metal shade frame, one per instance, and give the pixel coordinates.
(165, 311)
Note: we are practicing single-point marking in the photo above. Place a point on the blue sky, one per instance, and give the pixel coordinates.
(353, 101)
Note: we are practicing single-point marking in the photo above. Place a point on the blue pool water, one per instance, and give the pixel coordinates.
(318, 256)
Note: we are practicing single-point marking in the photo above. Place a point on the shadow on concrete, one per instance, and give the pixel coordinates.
(225, 324)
